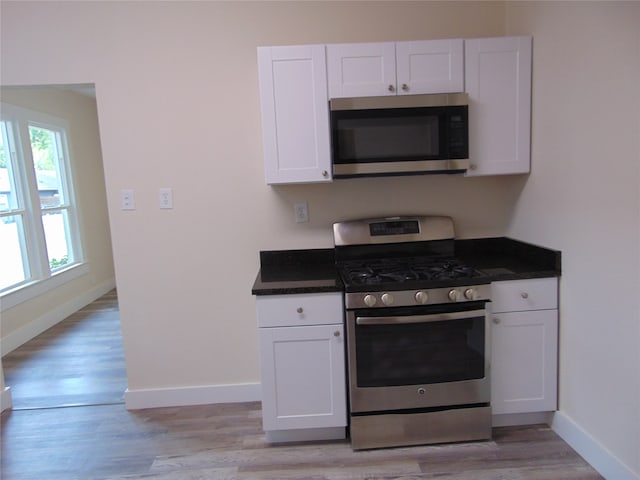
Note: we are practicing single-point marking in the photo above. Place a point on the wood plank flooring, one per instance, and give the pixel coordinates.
(79, 361)
(225, 441)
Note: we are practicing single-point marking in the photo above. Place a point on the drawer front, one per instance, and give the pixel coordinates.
(299, 310)
(523, 295)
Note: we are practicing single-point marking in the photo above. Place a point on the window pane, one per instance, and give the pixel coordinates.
(13, 264)
(46, 161)
(56, 233)
(8, 199)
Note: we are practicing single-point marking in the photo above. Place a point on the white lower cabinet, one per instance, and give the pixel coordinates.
(524, 346)
(302, 367)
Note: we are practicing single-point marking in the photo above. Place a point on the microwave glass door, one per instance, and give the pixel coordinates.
(399, 134)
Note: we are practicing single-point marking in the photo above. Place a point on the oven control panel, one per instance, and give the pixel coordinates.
(408, 298)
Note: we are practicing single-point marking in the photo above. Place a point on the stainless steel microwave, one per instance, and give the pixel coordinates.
(399, 135)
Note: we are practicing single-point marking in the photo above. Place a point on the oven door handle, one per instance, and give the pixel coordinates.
(435, 317)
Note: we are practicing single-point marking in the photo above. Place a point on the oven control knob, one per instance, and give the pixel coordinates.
(453, 295)
(387, 298)
(422, 296)
(369, 300)
(470, 294)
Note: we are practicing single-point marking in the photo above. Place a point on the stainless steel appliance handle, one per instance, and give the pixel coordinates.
(435, 317)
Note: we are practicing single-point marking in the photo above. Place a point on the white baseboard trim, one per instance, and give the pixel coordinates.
(591, 450)
(5, 399)
(182, 396)
(34, 328)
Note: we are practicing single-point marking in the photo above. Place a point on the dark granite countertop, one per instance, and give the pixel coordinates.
(297, 271)
(313, 271)
(503, 258)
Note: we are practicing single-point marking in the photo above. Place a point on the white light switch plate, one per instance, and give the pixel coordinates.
(166, 198)
(127, 199)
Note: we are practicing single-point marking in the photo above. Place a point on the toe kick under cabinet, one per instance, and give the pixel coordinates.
(302, 362)
(524, 346)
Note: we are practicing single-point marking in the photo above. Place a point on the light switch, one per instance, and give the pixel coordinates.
(127, 199)
(166, 198)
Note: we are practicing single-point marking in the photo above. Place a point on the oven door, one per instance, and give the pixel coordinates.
(418, 357)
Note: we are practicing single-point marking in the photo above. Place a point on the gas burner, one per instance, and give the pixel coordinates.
(400, 270)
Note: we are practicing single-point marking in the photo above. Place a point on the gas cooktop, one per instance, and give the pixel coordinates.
(407, 272)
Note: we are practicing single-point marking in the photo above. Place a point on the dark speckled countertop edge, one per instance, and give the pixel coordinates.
(286, 272)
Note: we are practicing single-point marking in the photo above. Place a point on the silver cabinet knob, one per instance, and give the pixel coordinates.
(391, 88)
(336, 333)
(524, 295)
(496, 320)
(453, 295)
(299, 310)
(370, 300)
(422, 297)
(405, 87)
(387, 298)
(325, 174)
(473, 166)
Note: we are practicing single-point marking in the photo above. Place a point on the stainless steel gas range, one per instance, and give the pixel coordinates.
(417, 333)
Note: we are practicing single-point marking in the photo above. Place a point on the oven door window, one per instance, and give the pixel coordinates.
(420, 353)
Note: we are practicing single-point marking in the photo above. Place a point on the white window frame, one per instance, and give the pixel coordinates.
(40, 276)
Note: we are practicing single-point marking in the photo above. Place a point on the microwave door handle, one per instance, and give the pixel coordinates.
(435, 317)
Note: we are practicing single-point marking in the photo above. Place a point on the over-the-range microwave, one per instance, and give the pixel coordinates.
(399, 135)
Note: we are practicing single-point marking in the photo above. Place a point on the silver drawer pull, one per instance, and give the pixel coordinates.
(336, 333)
(524, 295)
(299, 310)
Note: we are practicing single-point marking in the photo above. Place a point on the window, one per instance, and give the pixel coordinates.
(39, 235)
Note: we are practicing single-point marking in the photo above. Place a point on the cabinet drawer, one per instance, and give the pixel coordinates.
(300, 309)
(522, 295)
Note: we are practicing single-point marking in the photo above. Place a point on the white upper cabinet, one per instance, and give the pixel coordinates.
(395, 68)
(498, 82)
(295, 114)
(361, 69)
(432, 66)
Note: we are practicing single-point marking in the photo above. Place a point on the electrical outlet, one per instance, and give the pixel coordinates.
(127, 200)
(301, 212)
(166, 198)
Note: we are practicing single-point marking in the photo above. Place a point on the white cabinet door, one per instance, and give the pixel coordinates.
(430, 66)
(498, 81)
(361, 69)
(524, 361)
(295, 114)
(303, 377)
(402, 68)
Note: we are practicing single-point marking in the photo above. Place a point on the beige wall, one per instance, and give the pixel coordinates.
(80, 112)
(582, 197)
(178, 105)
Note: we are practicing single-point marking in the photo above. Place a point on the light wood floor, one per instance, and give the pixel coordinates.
(107, 442)
(79, 361)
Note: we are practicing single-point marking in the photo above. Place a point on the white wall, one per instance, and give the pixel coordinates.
(582, 197)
